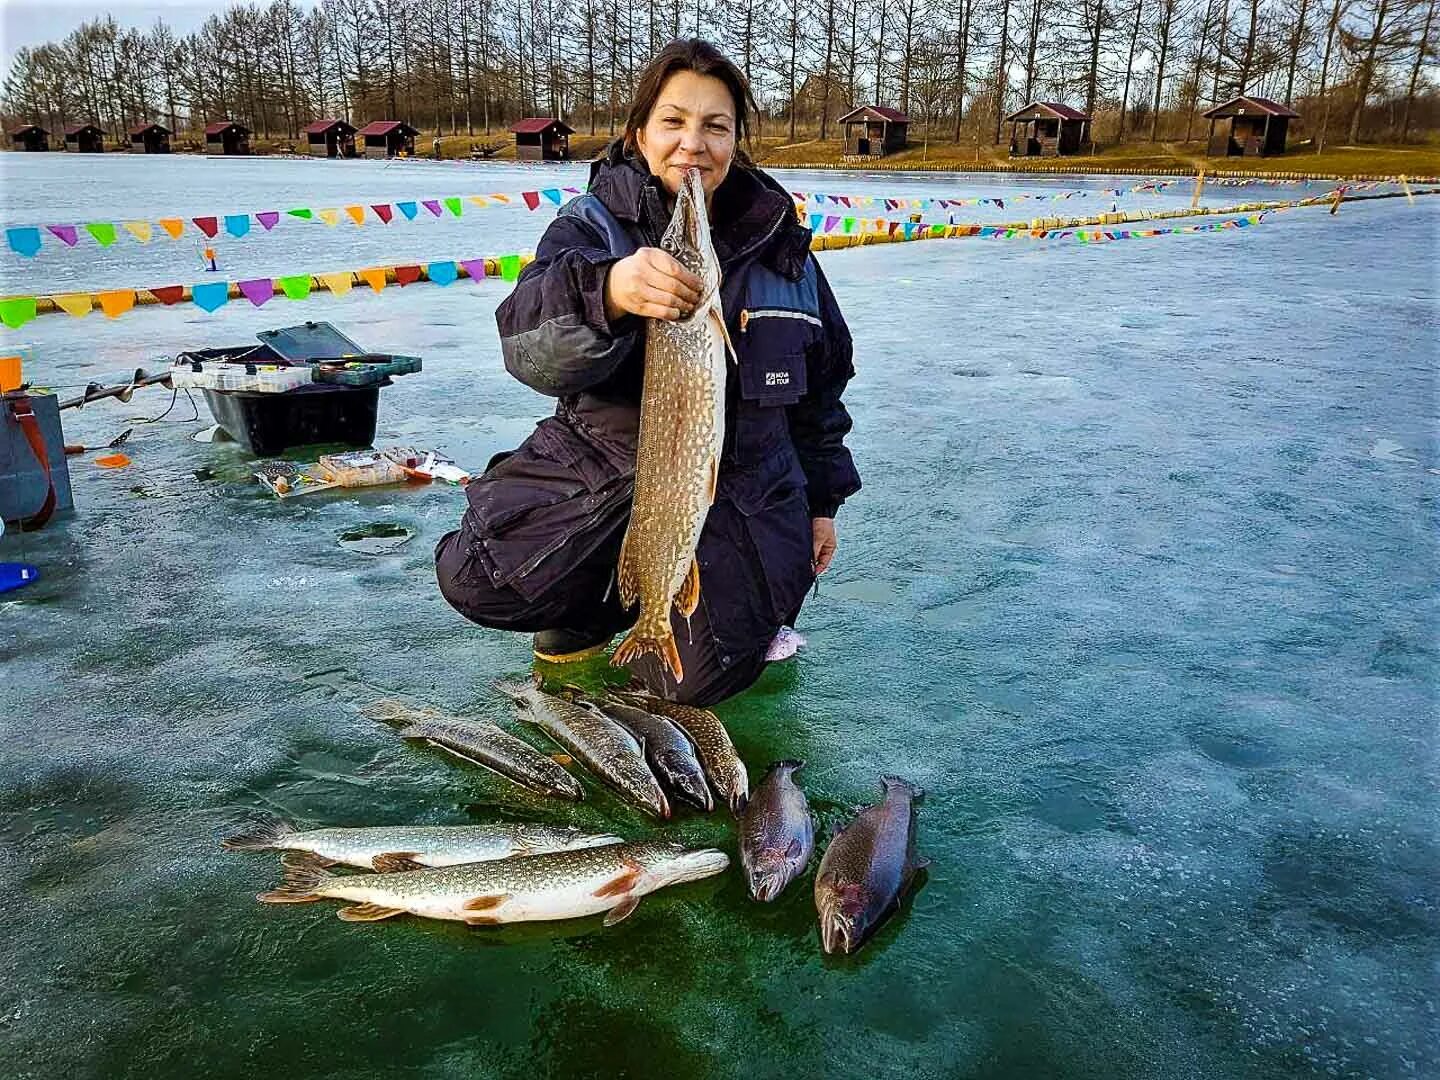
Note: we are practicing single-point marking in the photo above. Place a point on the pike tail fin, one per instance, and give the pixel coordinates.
(263, 835)
(304, 873)
(637, 645)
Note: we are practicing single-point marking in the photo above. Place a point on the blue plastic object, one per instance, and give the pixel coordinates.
(14, 575)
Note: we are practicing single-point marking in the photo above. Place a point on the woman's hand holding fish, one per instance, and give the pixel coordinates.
(651, 283)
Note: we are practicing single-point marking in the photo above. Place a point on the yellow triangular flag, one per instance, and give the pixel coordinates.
(139, 229)
(338, 283)
(357, 214)
(330, 217)
(116, 302)
(501, 198)
(75, 303)
(375, 278)
(172, 225)
(479, 200)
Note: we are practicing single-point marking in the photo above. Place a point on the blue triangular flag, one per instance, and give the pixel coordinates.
(442, 273)
(237, 224)
(815, 222)
(211, 295)
(24, 241)
(553, 194)
(409, 209)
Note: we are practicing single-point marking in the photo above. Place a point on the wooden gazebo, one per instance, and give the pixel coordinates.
(85, 138)
(1050, 129)
(331, 138)
(874, 131)
(542, 138)
(388, 138)
(228, 137)
(31, 137)
(150, 139)
(1257, 127)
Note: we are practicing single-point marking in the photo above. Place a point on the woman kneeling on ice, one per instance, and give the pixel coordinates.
(538, 547)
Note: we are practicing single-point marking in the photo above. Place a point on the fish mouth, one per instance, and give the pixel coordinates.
(767, 884)
(837, 930)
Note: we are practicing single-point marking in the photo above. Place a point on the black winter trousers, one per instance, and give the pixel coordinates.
(584, 600)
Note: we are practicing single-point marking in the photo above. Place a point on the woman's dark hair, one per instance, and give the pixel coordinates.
(701, 57)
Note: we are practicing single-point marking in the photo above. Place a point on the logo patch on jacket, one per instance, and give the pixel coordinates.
(777, 378)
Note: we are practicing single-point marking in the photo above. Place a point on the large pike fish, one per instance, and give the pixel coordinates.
(383, 847)
(717, 753)
(482, 742)
(777, 833)
(682, 428)
(598, 742)
(560, 885)
(867, 868)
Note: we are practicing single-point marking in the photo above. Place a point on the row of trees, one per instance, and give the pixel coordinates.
(1144, 67)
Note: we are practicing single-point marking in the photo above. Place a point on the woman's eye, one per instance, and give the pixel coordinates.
(671, 121)
(720, 129)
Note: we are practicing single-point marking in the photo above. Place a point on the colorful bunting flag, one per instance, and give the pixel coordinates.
(173, 226)
(115, 302)
(168, 294)
(455, 206)
(553, 194)
(816, 220)
(210, 296)
(338, 283)
(102, 231)
(257, 290)
(509, 267)
(208, 225)
(532, 199)
(237, 225)
(356, 214)
(301, 212)
(475, 268)
(479, 200)
(24, 241)
(268, 219)
(373, 277)
(77, 304)
(295, 286)
(433, 205)
(383, 211)
(406, 275)
(330, 216)
(830, 223)
(16, 311)
(442, 273)
(140, 230)
(409, 209)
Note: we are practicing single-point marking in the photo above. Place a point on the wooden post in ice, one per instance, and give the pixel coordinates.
(1405, 185)
(1199, 187)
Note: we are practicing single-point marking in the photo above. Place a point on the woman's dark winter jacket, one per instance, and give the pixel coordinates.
(567, 488)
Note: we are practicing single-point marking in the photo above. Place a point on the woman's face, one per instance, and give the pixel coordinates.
(691, 126)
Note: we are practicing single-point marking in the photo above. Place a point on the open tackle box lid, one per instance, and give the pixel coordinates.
(334, 357)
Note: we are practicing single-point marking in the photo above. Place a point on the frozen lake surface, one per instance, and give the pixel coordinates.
(1140, 588)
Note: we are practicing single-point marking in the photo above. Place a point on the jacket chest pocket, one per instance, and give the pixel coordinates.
(771, 351)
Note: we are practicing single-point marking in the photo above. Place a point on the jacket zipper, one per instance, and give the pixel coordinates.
(776, 313)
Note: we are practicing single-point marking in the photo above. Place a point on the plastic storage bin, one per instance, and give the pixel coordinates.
(269, 424)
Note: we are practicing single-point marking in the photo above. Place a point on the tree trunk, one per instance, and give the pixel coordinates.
(826, 75)
(1295, 40)
(1130, 68)
(1162, 50)
(1000, 68)
(1367, 70)
(880, 53)
(1325, 74)
(962, 54)
(1420, 51)
(1031, 46)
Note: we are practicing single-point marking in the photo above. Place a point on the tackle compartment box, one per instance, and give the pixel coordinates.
(370, 468)
(259, 378)
(364, 369)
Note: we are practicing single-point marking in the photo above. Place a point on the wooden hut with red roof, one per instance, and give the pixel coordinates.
(542, 138)
(1257, 127)
(1051, 129)
(227, 137)
(388, 138)
(85, 138)
(31, 137)
(331, 138)
(150, 138)
(874, 131)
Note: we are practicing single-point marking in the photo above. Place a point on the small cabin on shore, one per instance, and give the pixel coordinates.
(150, 139)
(874, 131)
(85, 138)
(1048, 129)
(31, 137)
(331, 138)
(542, 138)
(388, 138)
(227, 137)
(1249, 126)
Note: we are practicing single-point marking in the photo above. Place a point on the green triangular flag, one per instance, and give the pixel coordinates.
(102, 231)
(295, 287)
(453, 205)
(301, 212)
(848, 225)
(509, 267)
(17, 311)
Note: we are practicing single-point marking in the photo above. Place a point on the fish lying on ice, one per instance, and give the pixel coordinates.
(717, 753)
(668, 750)
(558, 885)
(777, 833)
(598, 742)
(867, 868)
(389, 847)
(482, 742)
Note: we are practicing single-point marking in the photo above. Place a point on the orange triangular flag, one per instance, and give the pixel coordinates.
(375, 278)
(172, 225)
(339, 282)
(479, 200)
(357, 214)
(330, 217)
(116, 302)
(139, 229)
(75, 303)
(501, 198)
